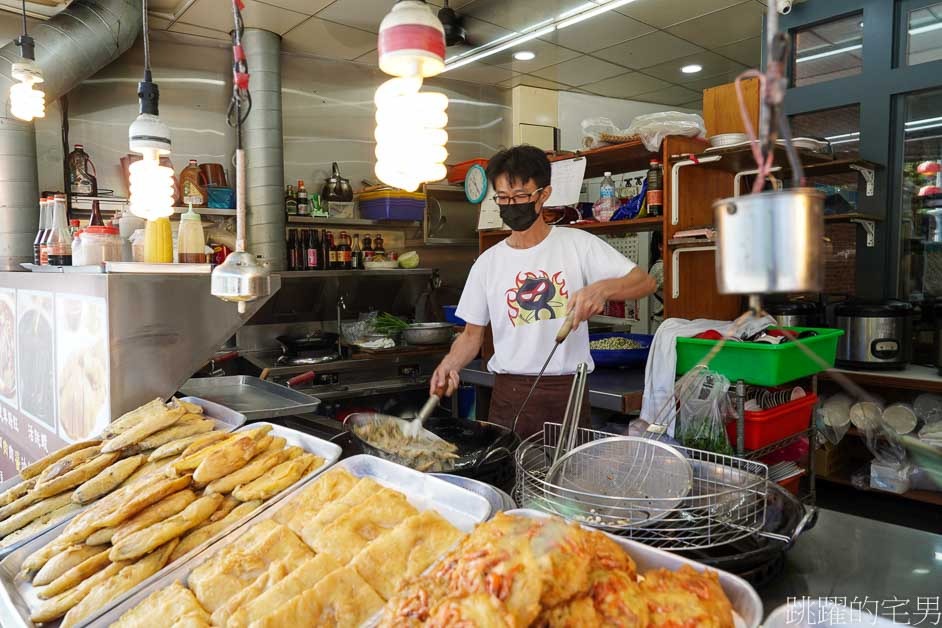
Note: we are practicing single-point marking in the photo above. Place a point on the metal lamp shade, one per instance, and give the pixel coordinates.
(239, 278)
(770, 242)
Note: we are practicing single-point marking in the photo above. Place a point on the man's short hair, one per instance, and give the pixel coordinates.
(520, 163)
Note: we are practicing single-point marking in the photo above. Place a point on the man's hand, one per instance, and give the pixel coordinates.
(445, 376)
(588, 302)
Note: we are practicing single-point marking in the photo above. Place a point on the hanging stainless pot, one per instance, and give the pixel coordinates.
(770, 242)
(337, 188)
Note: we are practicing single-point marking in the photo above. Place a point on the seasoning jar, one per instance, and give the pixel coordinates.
(137, 245)
(101, 244)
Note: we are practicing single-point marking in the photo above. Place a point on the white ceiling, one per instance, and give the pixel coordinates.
(635, 51)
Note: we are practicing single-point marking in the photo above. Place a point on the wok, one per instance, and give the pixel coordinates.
(293, 345)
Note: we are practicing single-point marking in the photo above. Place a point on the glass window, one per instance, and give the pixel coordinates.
(921, 189)
(924, 37)
(829, 50)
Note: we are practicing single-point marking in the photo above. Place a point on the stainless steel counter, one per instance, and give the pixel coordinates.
(886, 568)
(618, 390)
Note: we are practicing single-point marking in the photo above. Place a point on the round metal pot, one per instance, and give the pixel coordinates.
(770, 242)
(428, 333)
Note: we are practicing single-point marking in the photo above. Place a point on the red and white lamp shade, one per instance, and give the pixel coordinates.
(410, 124)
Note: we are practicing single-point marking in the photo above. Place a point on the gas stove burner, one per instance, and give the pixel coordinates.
(291, 360)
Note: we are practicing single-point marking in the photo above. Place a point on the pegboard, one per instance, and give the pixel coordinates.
(627, 245)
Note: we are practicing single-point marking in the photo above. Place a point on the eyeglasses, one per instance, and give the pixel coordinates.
(503, 199)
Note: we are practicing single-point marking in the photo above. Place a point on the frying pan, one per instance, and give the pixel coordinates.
(293, 345)
(472, 438)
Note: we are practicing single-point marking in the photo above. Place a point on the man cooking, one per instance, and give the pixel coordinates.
(524, 287)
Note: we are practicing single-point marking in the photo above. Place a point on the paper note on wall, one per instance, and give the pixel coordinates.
(566, 181)
(489, 217)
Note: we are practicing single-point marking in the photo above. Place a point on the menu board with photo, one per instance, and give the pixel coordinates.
(8, 346)
(35, 345)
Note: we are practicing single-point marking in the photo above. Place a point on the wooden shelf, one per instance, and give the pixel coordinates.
(913, 377)
(618, 158)
(740, 159)
(842, 477)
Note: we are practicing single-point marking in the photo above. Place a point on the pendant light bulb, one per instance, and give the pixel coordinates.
(151, 187)
(410, 134)
(411, 41)
(27, 103)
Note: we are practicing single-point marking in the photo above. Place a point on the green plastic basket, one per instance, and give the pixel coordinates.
(762, 364)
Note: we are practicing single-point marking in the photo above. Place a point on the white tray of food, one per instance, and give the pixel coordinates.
(225, 419)
(362, 527)
(746, 602)
(182, 512)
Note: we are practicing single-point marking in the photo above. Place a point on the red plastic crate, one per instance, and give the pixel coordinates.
(792, 484)
(764, 427)
(457, 172)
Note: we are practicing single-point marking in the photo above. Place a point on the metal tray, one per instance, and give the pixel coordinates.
(463, 509)
(17, 596)
(498, 499)
(745, 600)
(226, 420)
(255, 398)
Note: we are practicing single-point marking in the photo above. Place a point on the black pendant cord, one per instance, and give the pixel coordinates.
(241, 103)
(25, 42)
(64, 112)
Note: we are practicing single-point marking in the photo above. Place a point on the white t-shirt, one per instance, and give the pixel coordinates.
(523, 294)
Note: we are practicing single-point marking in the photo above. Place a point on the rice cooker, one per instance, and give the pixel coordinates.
(876, 335)
(795, 313)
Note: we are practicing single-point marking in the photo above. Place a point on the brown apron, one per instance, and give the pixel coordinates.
(547, 405)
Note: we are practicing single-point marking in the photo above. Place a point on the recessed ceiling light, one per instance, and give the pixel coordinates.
(691, 69)
(524, 55)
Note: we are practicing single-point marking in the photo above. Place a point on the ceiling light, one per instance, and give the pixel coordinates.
(829, 53)
(693, 68)
(573, 16)
(524, 55)
(411, 41)
(919, 30)
(27, 103)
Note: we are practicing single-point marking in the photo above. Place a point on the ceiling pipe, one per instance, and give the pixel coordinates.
(70, 47)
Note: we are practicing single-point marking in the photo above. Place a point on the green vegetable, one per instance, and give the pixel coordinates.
(409, 260)
(388, 324)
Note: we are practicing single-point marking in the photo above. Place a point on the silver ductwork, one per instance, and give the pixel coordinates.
(264, 150)
(70, 47)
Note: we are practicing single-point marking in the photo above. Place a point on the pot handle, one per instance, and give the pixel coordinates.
(810, 516)
(301, 379)
(336, 170)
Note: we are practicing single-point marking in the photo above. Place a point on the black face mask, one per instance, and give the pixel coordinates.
(519, 216)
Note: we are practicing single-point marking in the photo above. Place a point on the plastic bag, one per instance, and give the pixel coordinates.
(704, 408)
(592, 129)
(654, 127)
(632, 207)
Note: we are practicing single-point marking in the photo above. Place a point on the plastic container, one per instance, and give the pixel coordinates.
(764, 427)
(762, 364)
(137, 245)
(895, 478)
(792, 484)
(158, 242)
(191, 245)
(621, 358)
(391, 205)
(457, 173)
(99, 245)
(450, 316)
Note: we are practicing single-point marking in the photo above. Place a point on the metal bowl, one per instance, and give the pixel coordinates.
(428, 333)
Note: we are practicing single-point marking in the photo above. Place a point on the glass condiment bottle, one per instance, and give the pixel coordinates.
(44, 219)
(313, 250)
(323, 260)
(300, 245)
(292, 249)
(59, 245)
(303, 208)
(96, 220)
(332, 246)
(74, 225)
(655, 194)
(367, 248)
(378, 245)
(190, 184)
(291, 201)
(83, 179)
(345, 252)
(191, 243)
(357, 253)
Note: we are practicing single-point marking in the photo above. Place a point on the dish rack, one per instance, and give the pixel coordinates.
(726, 501)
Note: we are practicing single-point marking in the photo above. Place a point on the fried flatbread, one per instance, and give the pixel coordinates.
(405, 552)
(203, 533)
(108, 480)
(32, 470)
(126, 579)
(331, 486)
(170, 604)
(274, 574)
(150, 538)
(363, 490)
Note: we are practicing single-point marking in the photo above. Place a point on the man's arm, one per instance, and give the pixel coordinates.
(591, 300)
(464, 349)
